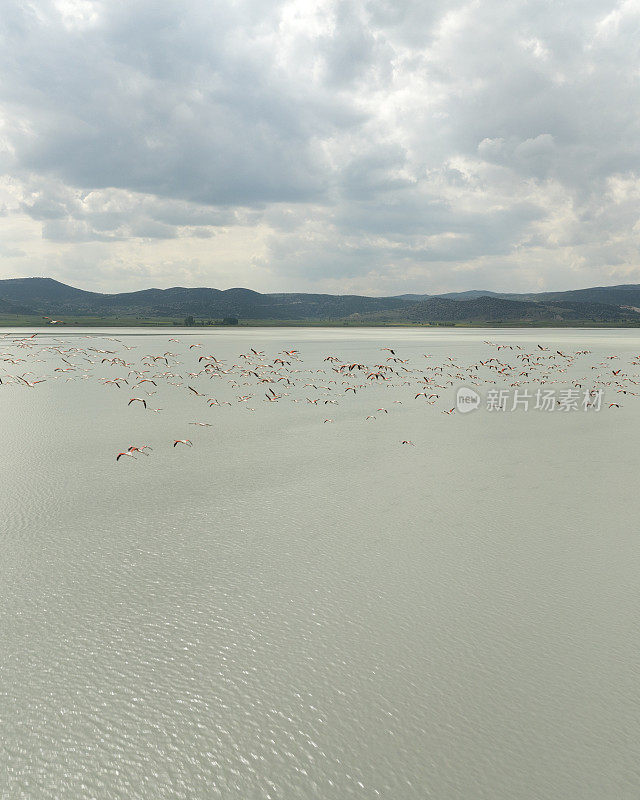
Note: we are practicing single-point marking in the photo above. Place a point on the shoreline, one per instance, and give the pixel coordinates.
(73, 323)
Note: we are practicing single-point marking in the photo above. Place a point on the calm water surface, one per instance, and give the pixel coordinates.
(297, 609)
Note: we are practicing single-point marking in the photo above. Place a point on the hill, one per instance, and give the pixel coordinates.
(498, 310)
(50, 297)
(626, 294)
(613, 305)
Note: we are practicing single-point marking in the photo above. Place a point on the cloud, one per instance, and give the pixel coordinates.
(338, 144)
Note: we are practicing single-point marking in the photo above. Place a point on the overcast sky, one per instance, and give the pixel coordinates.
(373, 146)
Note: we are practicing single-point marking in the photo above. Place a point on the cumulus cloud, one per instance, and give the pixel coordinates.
(347, 145)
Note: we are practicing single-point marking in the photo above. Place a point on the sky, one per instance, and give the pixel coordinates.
(373, 147)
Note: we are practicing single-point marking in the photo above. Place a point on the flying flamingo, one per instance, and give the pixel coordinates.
(133, 449)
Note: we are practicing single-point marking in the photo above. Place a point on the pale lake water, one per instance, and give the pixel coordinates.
(295, 609)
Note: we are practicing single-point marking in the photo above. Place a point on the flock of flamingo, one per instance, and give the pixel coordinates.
(255, 376)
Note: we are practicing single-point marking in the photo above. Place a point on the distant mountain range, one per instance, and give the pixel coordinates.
(603, 305)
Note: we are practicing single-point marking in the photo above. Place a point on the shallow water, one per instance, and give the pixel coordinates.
(299, 609)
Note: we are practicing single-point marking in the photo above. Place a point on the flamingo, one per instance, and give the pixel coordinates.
(32, 383)
(127, 453)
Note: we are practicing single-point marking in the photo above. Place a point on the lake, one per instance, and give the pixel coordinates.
(299, 606)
